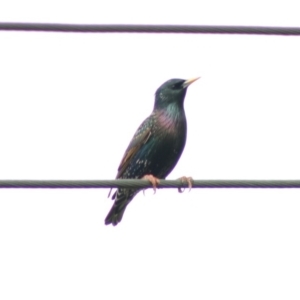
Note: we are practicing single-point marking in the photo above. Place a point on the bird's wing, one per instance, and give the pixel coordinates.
(140, 138)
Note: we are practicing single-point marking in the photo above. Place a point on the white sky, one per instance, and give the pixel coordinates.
(70, 104)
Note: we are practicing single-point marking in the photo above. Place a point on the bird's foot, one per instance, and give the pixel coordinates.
(153, 180)
(188, 180)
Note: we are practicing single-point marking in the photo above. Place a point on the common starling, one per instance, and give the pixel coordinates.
(156, 146)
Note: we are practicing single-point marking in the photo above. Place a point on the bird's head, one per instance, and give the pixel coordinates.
(172, 92)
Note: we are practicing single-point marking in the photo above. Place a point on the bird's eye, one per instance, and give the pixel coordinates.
(176, 86)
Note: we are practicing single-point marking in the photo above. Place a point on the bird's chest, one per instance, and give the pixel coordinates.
(166, 145)
(171, 130)
(171, 139)
(160, 153)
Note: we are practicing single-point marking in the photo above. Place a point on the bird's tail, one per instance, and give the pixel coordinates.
(122, 198)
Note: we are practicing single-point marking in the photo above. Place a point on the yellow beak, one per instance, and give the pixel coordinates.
(190, 81)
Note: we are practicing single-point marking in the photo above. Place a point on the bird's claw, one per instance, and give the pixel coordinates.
(188, 180)
(153, 180)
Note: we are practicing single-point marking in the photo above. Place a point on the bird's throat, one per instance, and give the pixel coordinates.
(171, 118)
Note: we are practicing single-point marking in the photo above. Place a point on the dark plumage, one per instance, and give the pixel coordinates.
(157, 144)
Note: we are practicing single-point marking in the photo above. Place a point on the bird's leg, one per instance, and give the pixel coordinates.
(153, 180)
(188, 180)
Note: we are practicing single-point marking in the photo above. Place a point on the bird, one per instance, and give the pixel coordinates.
(155, 147)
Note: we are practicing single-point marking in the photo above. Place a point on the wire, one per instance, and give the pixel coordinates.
(138, 183)
(131, 28)
(132, 183)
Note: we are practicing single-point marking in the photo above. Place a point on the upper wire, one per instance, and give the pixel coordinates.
(142, 28)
